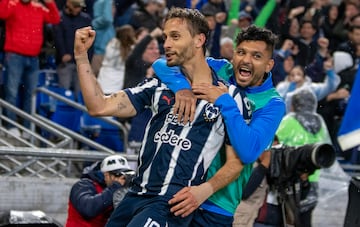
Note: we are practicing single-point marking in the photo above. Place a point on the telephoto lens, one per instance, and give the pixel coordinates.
(323, 155)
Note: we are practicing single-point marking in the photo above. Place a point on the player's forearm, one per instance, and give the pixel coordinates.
(117, 104)
(228, 172)
(225, 175)
(91, 91)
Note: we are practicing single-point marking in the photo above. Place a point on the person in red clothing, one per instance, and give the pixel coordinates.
(24, 23)
(100, 188)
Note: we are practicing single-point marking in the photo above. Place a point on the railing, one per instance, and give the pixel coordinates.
(41, 156)
(80, 107)
(47, 162)
(37, 139)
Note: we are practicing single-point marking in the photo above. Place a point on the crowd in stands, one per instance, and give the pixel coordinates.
(315, 39)
(317, 54)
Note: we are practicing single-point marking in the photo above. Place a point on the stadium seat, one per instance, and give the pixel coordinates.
(64, 114)
(100, 131)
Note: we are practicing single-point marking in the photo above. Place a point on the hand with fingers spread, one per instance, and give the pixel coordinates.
(188, 199)
(185, 105)
(209, 92)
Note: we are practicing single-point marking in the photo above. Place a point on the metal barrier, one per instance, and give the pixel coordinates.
(80, 107)
(9, 139)
(40, 156)
(47, 162)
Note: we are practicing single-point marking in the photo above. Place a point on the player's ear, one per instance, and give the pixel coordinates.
(269, 65)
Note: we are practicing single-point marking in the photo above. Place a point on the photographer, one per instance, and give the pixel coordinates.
(304, 126)
(278, 192)
(101, 186)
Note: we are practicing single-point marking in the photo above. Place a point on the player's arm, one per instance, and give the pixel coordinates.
(189, 199)
(97, 103)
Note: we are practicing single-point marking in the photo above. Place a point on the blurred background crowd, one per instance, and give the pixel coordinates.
(318, 49)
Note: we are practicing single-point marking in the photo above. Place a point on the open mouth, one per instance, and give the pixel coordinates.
(245, 72)
(169, 56)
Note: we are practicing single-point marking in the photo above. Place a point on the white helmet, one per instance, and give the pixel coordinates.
(114, 162)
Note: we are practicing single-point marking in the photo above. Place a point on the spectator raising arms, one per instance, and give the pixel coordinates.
(297, 79)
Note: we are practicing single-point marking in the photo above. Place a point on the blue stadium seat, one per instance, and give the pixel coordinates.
(100, 131)
(48, 77)
(65, 114)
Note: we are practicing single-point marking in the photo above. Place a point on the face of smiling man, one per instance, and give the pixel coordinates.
(251, 61)
(179, 45)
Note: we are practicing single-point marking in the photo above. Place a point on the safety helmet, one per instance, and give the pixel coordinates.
(114, 162)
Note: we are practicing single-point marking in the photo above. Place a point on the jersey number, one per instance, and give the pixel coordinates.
(151, 223)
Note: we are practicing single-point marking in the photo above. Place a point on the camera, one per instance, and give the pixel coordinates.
(128, 173)
(295, 194)
(119, 194)
(129, 177)
(289, 162)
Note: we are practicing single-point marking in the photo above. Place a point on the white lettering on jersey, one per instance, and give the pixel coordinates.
(172, 139)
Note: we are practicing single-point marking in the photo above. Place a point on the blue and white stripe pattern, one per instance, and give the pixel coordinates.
(174, 155)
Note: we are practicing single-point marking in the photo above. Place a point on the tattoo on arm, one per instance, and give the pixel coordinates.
(121, 106)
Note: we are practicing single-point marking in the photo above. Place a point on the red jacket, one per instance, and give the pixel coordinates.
(24, 25)
(76, 220)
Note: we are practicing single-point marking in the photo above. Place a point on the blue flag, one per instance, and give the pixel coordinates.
(349, 132)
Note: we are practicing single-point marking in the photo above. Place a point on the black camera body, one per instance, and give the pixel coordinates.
(128, 173)
(289, 162)
(294, 194)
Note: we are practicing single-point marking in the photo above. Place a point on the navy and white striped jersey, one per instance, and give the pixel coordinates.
(174, 155)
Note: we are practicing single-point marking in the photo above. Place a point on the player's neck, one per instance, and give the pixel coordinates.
(198, 71)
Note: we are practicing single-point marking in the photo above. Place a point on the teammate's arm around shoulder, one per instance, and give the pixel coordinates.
(96, 102)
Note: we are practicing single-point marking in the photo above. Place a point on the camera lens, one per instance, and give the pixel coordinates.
(323, 155)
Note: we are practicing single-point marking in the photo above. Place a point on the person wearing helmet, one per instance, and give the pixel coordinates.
(101, 185)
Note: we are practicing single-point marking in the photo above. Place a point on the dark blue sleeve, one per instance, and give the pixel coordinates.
(256, 136)
(171, 76)
(88, 202)
(141, 95)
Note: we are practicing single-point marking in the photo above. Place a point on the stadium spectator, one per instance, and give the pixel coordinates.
(148, 15)
(297, 79)
(137, 68)
(103, 23)
(112, 71)
(24, 23)
(226, 48)
(72, 18)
